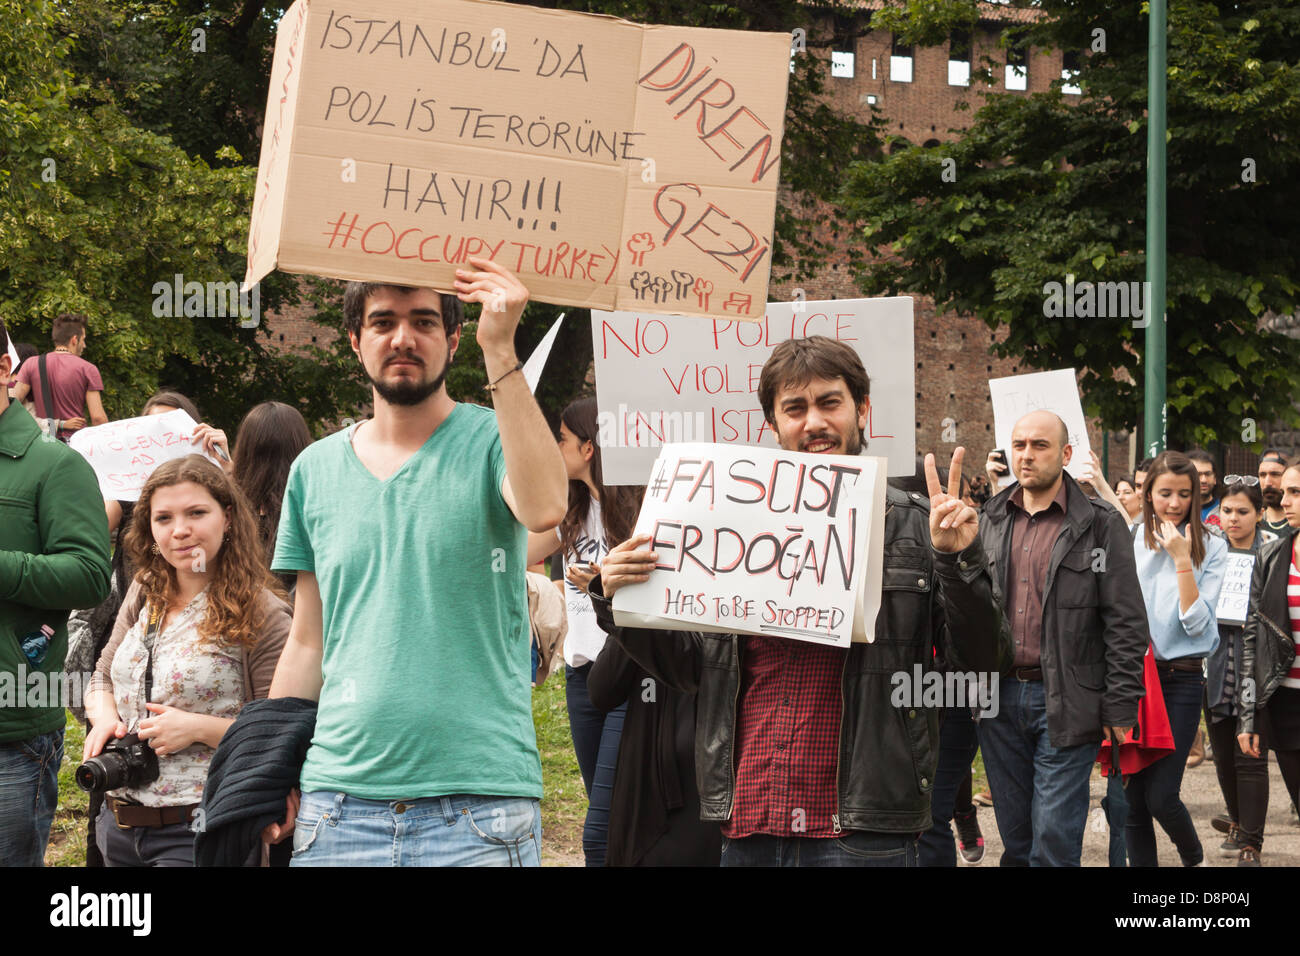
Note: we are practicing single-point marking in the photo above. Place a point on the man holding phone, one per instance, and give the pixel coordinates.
(996, 469)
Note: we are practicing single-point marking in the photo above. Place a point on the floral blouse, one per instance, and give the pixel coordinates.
(190, 674)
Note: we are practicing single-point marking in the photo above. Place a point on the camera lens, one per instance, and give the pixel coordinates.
(108, 771)
(90, 775)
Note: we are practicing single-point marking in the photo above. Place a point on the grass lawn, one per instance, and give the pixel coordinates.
(564, 801)
(68, 834)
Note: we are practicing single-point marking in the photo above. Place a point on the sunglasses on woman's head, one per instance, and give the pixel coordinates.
(1249, 480)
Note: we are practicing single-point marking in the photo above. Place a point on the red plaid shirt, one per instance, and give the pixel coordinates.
(787, 733)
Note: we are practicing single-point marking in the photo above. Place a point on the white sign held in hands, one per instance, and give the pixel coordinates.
(761, 541)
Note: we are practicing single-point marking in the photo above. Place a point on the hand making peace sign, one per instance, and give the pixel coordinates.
(953, 523)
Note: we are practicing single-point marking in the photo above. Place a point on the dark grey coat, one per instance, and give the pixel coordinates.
(1094, 620)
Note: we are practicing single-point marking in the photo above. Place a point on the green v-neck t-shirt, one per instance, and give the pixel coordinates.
(425, 658)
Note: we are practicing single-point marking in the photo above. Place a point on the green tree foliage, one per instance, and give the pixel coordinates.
(1049, 185)
(96, 210)
(152, 111)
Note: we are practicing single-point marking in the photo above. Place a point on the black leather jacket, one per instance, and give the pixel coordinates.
(887, 755)
(1095, 630)
(1230, 638)
(1267, 649)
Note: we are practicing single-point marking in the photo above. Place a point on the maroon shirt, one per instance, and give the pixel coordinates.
(787, 737)
(1032, 540)
(71, 377)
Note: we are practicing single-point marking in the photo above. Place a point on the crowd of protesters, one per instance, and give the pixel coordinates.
(320, 654)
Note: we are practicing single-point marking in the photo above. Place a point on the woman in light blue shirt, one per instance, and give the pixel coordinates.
(1180, 567)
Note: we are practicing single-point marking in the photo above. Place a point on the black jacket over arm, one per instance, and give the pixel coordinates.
(251, 774)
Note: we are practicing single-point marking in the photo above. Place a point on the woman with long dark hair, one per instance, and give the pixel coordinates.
(1180, 568)
(270, 437)
(597, 518)
(198, 636)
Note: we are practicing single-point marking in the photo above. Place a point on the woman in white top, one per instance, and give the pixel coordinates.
(198, 636)
(597, 518)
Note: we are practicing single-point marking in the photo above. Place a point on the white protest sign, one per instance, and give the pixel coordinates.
(1234, 595)
(124, 453)
(660, 380)
(13, 355)
(760, 541)
(1017, 395)
(537, 361)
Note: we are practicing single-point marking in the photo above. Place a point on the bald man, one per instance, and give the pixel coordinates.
(1079, 632)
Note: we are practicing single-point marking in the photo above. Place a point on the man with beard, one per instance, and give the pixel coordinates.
(1140, 474)
(1272, 465)
(408, 535)
(1079, 628)
(801, 753)
(1205, 470)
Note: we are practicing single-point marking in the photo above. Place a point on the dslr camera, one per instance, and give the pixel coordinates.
(125, 762)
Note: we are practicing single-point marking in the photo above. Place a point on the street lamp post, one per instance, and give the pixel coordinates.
(1154, 418)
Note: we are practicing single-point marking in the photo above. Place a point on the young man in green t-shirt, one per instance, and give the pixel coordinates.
(407, 532)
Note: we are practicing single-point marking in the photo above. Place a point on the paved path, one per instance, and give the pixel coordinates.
(1201, 794)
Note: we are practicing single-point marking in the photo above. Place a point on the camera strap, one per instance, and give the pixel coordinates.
(149, 639)
(44, 398)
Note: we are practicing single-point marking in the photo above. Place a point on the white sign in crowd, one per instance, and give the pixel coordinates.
(761, 541)
(663, 379)
(1234, 596)
(1058, 391)
(124, 453)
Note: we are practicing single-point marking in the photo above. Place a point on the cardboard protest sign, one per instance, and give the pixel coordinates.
(760, 541)
(124, 453)
(537, 361)
(609, 164)
(1234, 595)
(662, 380)
(1017, 395)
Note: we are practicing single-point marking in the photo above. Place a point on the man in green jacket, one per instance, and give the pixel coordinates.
(53, 558)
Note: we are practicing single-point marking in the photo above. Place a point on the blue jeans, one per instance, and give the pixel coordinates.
(334, 829)
(855, 848)
(29, 792)
(1153, 791)
(958, 744)
(596, 736)
(1040, 792)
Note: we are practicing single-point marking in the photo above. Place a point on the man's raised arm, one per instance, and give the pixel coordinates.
(536, 484)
